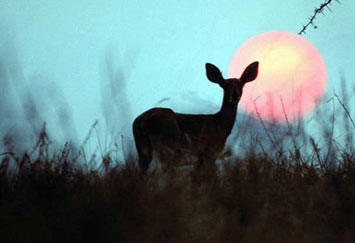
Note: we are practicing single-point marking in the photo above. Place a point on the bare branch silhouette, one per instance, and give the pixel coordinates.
(317, 11)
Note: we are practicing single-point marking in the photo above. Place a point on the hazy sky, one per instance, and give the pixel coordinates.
(157, 49)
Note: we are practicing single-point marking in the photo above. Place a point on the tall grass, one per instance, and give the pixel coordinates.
(289, 185)
(54, 198)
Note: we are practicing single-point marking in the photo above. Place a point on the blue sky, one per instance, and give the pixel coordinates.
(158, 49)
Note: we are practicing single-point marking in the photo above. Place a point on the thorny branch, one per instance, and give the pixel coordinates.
(317, 11)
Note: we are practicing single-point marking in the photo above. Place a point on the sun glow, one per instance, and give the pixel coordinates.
(291, 79)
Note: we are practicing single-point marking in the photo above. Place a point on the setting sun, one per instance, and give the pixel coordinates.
(291, 79)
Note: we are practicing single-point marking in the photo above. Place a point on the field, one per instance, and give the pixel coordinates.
(294, 184)
(55, 197)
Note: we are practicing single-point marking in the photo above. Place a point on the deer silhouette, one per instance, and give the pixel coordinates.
(171, 137)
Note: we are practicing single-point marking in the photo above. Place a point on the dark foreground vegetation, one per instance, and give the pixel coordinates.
(254, 199)
(286, 185)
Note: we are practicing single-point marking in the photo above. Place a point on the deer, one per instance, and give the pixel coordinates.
(170, 137)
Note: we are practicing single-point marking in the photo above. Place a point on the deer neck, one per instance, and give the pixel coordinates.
(227, 114)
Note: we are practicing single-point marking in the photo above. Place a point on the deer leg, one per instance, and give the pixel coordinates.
(144, 148)
(145, 154)
(206, 160)
(200, 161)
(145, 157)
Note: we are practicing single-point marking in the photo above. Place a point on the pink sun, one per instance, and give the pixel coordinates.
(291, 80)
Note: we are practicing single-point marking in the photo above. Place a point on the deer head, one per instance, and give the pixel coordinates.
(233, 87)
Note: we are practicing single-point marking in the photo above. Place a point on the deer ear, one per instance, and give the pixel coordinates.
(213, 74)
(250, 73)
